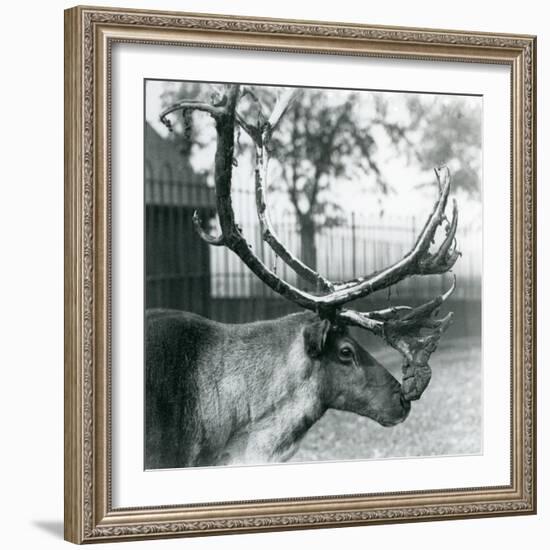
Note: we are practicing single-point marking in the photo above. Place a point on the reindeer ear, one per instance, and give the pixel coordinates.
(315, 337)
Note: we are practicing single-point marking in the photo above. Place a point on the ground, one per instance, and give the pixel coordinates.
(447, 420)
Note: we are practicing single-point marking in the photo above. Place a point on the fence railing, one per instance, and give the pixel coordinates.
(357, 246)
(183, 272)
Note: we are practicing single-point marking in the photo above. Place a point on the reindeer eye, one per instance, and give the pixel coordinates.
(346, 353)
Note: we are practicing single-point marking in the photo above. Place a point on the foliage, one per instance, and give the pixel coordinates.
(449, 133)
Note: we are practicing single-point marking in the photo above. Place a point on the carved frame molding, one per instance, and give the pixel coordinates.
(89, 34)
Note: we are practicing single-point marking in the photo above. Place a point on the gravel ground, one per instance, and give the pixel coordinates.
(447, 420)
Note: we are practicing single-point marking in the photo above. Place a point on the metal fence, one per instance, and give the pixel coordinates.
(183, 272)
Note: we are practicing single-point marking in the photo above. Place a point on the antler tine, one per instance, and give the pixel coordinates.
(270, 237)
(189, 104)
(268, 233)
(210, 239)
(375, 321)
(283, 104)
(418, 261)
(260, 137)
(413, 332)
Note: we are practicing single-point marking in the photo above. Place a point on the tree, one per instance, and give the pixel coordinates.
(448, 132)
(320, 142)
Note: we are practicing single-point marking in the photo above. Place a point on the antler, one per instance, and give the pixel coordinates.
(417, 262)
(414, 332)
(261, 142)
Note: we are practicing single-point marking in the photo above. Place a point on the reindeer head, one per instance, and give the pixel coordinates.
(351, 379)
(357, 382)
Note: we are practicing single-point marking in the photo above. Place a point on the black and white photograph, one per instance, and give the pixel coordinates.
(313, 264)
(300, 276)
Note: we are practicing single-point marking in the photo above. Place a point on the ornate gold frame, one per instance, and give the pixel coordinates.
(89, 34)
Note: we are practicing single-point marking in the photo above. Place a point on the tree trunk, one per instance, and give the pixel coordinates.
(308, 251)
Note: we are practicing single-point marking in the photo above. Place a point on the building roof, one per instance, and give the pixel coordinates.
(169, 176)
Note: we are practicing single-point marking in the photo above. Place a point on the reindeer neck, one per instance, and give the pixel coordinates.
(283, 399)
(285, 419)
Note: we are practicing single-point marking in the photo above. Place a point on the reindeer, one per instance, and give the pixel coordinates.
(238, 394)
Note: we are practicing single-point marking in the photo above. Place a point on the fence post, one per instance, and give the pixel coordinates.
(263, 287)
(353, 251)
